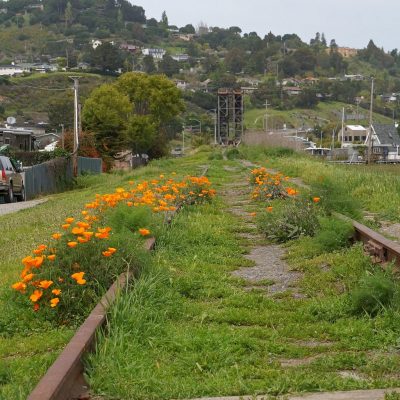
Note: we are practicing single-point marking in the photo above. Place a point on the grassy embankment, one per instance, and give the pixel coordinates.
(190, 329)
(298, 117)
(29, 343)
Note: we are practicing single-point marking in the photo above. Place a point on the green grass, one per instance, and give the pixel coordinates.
(189, 329)
(324, 112)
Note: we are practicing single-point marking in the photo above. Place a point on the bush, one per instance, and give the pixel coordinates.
(333, 234)
(290, 221)
(233, 154)
(374, 293)
(216, 155)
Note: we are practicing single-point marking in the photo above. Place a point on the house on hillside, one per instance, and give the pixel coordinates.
(180, 57)
(292, 90)
(131, 48)
(386, 142)
(11, 70)
(352, 135)
(157, 54)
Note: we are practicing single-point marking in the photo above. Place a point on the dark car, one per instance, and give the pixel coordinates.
(11, 181)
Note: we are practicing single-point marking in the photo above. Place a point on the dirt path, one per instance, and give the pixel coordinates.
(270, 272)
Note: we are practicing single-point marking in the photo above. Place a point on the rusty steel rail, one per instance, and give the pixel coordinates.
(377, 245)
(64, 380)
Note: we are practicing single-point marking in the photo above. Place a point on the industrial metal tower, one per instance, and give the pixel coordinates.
(230, 116)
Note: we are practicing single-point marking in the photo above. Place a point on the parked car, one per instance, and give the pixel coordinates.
(11, 181)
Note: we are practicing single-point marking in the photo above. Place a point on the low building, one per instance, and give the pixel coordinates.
(292, 90)
(19, 139)
(353, 134)
(11, 70)
(157, 54)
(180, 57)
(385, 142)
(131, 48)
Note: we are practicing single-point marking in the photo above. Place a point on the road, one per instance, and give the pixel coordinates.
(14, 207)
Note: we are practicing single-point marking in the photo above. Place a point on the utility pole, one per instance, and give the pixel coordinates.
(342, 126)
(266, 115)
(62, 136)
(76, 125)
(369, 159)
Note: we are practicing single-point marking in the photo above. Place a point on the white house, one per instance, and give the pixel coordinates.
(11, 70)
(180, 57)
(96, 43)
(158, 54)
(353, 134)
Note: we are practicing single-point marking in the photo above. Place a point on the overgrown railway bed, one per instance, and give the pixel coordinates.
(212, 223)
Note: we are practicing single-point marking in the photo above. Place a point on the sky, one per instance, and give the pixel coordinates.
(352, 23)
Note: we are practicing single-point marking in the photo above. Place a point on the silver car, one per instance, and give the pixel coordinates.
(11, 181)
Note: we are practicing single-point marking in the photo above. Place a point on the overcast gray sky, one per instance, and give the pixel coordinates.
(351, 22)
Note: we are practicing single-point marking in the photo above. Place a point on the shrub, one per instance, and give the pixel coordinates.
(290, 221)
(333, 234)
(374, 293)
(233, 154)
(216, 155)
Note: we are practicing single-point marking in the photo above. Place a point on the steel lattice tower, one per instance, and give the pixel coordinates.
(230, 116)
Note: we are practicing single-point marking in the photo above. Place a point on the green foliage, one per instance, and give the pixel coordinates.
(291, 220)
(105, 113)
(233, 154)
(335, 197)
(375, 292)
(277, 152)
(331, 235)
(216, 155)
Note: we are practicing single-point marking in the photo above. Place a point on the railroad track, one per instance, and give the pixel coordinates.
(65, 378)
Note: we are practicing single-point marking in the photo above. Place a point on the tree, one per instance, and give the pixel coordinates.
(235, 60)
(106, 57)
(189, 29)
(168, 66)
(148, 65)
(68, 14)
(164, 19)
(133, 113)
(61, 111)
(106, 113)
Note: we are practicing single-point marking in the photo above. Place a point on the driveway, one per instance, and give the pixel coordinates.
(14, 207)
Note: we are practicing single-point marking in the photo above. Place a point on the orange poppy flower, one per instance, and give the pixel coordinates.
(316, 199)
(56, 236)
(82, 239)
(36, 295)
(57, 292)
(270, 208)
(51, 257)
(28, 277)
(54, 302)
(69, 220)
(72, 244)
(45, 284)
(19, 286)
(144, 232)
(65, 226)
(78, 231)
(106, 253)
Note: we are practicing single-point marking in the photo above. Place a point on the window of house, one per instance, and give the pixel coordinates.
(356, 138)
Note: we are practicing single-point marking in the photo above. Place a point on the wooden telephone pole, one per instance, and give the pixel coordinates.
(369, 158)
(76, 125)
